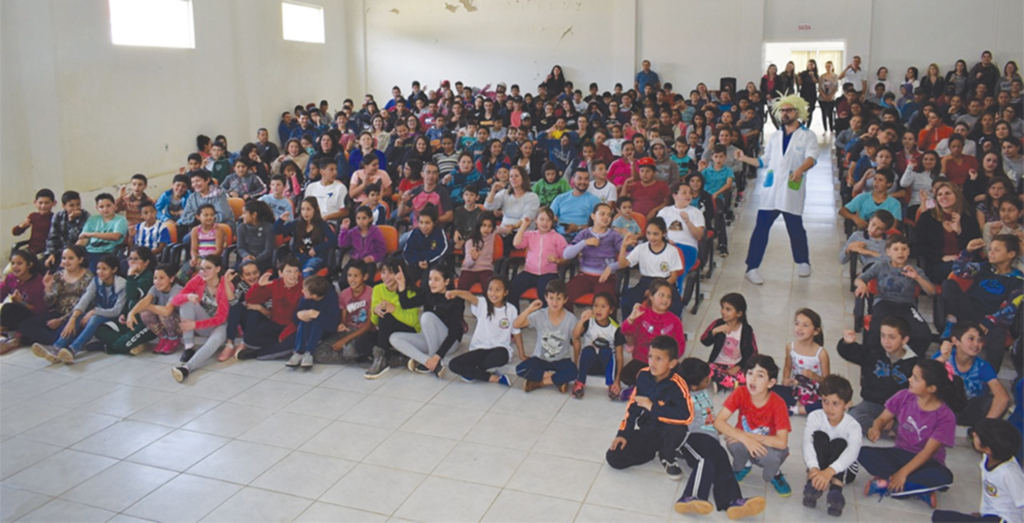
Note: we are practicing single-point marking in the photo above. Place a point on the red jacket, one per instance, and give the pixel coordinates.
(197, 286)
(286, 302)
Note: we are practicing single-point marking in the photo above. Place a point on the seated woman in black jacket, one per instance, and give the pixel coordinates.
(441, 321)
(941, 233)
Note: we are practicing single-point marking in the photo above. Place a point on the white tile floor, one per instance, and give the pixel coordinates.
(115, 438)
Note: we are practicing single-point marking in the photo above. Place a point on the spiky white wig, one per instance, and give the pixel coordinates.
(794, 101)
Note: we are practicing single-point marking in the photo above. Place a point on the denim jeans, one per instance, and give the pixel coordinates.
(83, 336)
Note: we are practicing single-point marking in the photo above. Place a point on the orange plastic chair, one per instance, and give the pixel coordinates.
(172, 230)
(237, 205)
(229, 235)
(390, 238)
(640, 220)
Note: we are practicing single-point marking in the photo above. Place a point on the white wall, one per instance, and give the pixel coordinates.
(78, 112)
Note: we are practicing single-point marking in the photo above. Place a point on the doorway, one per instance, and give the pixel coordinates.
(779, 53)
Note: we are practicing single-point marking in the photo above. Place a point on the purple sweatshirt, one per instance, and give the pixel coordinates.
(594, 260)
(31, 291)
(371, 245)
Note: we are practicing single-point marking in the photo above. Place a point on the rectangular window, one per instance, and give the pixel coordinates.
(152, 23)
(302, 22)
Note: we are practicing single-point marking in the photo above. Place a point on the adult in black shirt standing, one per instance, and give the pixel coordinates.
(808, 87)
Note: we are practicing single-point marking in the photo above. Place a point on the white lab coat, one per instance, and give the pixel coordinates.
(778, 195)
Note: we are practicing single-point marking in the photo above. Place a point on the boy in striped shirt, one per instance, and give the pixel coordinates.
(150, 232)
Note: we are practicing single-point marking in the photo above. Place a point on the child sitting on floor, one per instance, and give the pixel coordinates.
(733, 341)
(831, 443)
(552, 360)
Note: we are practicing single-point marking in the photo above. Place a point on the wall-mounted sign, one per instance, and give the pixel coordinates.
(803, 27)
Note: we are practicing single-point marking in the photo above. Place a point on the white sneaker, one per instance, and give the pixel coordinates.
(803, 269)
(754, 277)
(294, 360)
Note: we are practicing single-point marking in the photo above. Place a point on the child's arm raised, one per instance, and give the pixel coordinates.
(469, 297)
(523, 320)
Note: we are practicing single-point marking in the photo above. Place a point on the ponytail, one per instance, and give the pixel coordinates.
(949, 388)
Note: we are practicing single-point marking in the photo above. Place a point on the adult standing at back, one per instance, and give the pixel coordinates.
(646, 77)
(789, 154)
(807, 81)
(855, 75)
(984, 72)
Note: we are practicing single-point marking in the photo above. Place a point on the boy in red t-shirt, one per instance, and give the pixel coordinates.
(761, 433)
(649, 193)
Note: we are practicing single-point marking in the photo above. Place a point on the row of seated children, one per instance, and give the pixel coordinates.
(670, 416)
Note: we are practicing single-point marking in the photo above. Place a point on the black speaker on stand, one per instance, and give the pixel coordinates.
(727, 82)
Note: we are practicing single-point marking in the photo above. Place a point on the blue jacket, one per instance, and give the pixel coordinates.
(163, 205)
(425, 248)
(327, 306)
(671, 400)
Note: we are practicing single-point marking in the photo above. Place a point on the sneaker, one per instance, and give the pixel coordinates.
(503, 380)
(836, 502)
(179, 373)
(242, 354)
(692, 505)
(745, 507)
(9, 344)
(674, 472)
(781, 485)
(172, 346)
(531, 385)
(411, 365)
(577, 390)
(803, 269)
(626, 394)
(229, 352)
(66, 356)
(398, 362)
(379, 365)
(307, 360)
(612, 396)
(140, 348)
(877, 486)
(563, 388)
(929, 498)
(294, 360)
(742, 474)
(187, 355)
(42, 351)
(723, 252)
(465, 379)
(811, 495)
(755, 277)
(439, 370)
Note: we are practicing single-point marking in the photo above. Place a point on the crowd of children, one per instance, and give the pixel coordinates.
(344, 249)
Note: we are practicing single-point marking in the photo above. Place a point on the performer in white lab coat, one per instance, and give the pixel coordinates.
(789, 153)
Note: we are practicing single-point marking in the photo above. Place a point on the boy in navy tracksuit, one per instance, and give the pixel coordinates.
(658, 415)
(427, 244)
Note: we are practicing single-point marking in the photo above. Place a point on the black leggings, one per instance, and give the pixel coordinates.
(476, 364)
(828, 451)
(828, 114)
(13, 314)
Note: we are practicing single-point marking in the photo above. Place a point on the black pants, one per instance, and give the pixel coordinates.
(641, 446)
(387, 326)
(260, 331)
(525, 281)
(958, 305)
(828, 451)
(920, 332)
(630, 371)
(34, 329)
(476, 364)
(828, 114)
(942, 516)
(975, 410)
(710, 466)
(13, 314)
(884, 462)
